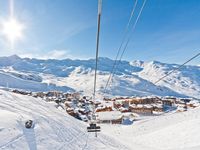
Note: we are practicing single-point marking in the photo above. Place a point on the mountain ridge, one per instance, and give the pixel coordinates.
(134, 78)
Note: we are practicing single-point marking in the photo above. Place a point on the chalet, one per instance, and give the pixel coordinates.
(83, 118)
(41, 94)
(179, 102)
(96, 103)
(119, 98)
(117, 104)
(63, 99)
(130, 115)
(57, 100)
(144, 100)
(34, 94)
(158, 108)
(66, 95)
(142, 109)
(104, 108)
(125, 103)
(168, 102)
(128, 118)
(123, 110)
(180, 109)
(170, 97)
(21, 92)
(113, 117)
(75, 101)
(185, 100)
(69, 99)
(82, 111)
(76, 95)
(50, 94)
(71, 112)
(68, 104)
(107, 99)
(193, 103)
(121, 103)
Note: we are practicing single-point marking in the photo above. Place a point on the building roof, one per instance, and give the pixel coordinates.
(109, 115)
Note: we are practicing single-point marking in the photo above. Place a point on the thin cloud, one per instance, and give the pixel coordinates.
(54, 54)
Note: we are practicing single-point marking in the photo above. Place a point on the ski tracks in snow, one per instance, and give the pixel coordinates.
(11, 142)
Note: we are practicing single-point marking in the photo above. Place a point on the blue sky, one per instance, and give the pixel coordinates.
(167, 31)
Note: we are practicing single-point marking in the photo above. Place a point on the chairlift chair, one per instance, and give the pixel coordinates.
(93, 128)
(93, 125)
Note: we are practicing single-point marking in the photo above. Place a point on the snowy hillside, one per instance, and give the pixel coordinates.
(53, 129)
(134, 78)
(172, 131)
(26, 82)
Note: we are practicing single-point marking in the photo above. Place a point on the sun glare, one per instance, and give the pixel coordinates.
(12, 30)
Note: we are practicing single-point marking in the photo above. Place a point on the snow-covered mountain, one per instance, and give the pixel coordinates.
(134, 78)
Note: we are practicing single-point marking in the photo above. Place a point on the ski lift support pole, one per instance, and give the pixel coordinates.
(97, 51)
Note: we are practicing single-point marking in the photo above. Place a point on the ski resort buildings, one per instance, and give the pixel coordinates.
(114, 110)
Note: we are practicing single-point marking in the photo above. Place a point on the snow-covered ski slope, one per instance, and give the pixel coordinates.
(172, 131)
(53, 128)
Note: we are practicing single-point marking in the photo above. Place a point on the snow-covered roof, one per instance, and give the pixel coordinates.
(148, 106)
(195, 103)
(157, 105)
(130, 114)
(123, 109)
(140, 106)
(109, 115)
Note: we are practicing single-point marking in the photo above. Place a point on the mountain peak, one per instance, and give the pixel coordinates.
(155, 62)
(14, 57)
(137, 63)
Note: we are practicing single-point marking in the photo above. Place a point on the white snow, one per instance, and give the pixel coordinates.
(109, 115)
(53, 128)
(134, 78)
(9, 80)
(173, 131)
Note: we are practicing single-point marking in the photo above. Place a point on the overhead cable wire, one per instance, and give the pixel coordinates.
(121, 44)
(125, 47)
(177, 68)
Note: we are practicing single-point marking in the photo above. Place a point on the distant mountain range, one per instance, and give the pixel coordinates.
(134, 78)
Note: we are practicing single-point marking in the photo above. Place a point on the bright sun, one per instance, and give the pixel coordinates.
(12, 30)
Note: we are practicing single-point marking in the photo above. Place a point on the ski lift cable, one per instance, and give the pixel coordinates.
(132, 14)
(126, 45)
(97, 44)
(177, 68)
(93, 127)
(124, 36)
(133, 29)
(120, 47)
(122, 42)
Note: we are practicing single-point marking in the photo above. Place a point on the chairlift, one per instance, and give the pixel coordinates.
(93, 128)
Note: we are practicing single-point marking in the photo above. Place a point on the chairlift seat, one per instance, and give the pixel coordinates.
(93, 128)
